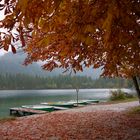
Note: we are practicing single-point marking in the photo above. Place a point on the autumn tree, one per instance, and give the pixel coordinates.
(73, 34)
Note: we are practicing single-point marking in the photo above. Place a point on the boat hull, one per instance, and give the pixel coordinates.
(44, 108)
(65, 105)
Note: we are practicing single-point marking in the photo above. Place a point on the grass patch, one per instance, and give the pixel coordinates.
(10, 118)
(125, 100)
(119, 101)
(134, 110)
(119, 95)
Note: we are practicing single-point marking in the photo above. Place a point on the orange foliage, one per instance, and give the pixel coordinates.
(76, 34)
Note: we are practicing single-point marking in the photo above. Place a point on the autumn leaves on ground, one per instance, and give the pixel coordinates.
(93, 122)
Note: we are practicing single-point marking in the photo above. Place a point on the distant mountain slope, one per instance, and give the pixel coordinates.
(12, 63)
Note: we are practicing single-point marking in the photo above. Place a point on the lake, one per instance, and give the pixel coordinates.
(17, 98)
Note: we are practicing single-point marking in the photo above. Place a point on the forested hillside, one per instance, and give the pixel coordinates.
(13, 75)
(22, 81)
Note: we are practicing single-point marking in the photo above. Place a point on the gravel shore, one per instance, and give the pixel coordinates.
(93, 122)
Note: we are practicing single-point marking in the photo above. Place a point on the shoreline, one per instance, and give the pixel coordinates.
(100, 103)
(131, 89)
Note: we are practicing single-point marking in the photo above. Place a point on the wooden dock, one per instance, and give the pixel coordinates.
(19, 112)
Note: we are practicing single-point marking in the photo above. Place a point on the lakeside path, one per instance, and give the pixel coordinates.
(93, 122)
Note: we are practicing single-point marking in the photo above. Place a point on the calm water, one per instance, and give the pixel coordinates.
(17, 98)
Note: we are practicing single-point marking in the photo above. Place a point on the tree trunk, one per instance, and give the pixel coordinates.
(77, 91)
(136, 84)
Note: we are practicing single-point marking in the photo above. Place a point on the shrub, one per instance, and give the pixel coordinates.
(129, 95)
(120, 95)
(117, 95)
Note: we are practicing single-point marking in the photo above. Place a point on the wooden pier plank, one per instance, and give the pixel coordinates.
(25, 111)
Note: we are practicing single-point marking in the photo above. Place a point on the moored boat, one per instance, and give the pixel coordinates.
(44, 107)
(80, 102)
(84, 102)
(39, 107)
(59, 104)
(92, 101)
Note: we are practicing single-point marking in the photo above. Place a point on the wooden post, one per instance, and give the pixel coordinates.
(77, 91)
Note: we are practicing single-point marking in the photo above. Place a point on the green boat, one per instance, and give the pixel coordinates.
(60, 104)
(43, 107)
(80, 102)
(39, 107)
(84, 102)
(92, 101)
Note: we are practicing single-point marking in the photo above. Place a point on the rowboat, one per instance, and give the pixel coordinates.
(80, 102)
(59, 104)
(39, 107)
(84, 102)
(44, 107)
(70, 104)
(92, 101)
